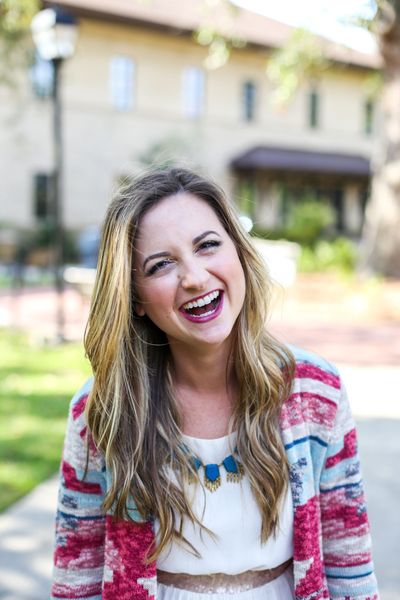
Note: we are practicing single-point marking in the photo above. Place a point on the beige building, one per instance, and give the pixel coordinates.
(137, 87)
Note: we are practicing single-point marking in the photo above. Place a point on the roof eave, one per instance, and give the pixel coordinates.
(363, 61)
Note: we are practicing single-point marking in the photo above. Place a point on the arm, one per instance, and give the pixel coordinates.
(345, 527)
(80, 522)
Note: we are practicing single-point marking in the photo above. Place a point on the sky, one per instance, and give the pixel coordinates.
(324, 17)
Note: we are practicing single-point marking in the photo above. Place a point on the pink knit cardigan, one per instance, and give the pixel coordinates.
(98, 558)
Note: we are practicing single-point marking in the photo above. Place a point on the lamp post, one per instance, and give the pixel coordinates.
(54, 33)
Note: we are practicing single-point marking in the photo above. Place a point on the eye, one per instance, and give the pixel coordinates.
(209, 244)
(158, 266)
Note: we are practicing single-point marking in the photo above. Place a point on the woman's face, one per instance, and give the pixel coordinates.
(188, 276)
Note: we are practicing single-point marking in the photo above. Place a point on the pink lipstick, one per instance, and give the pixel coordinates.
(204, 308)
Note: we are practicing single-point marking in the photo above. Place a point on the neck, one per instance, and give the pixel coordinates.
(203, 372)
(205, 389)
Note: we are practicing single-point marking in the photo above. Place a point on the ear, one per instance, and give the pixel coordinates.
(139, 310)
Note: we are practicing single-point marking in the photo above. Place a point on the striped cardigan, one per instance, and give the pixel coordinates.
(97, 558)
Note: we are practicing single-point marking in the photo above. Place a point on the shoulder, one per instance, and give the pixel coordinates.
(310, 368)
(78, 403)
(316, 393)
(312, 407)
(78, 436)
(306, 357)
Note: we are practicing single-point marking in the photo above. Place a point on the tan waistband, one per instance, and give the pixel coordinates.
(220, 583)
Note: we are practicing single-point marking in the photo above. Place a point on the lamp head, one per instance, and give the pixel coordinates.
(54, 32)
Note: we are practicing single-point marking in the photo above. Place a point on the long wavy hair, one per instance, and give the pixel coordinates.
(132, 413)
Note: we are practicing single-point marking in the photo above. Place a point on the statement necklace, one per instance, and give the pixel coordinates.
(212, 476)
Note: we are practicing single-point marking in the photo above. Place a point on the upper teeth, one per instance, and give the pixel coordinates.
(202, 301)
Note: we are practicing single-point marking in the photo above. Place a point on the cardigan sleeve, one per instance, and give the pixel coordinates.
(80, 521)
(345, 528)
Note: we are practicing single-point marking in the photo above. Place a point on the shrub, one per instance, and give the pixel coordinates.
(339, 254)
(308, 220)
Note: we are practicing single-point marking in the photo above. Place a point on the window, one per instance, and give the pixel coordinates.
(42, 199)
(193, 92)
(369, 117)
(313, 109)
(337, 203)
(249, 100)
(122, 71)
(41, 75)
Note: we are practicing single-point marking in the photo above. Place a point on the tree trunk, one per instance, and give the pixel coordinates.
(381, 236)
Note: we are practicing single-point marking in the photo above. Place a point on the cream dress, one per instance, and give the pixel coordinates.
(233, 515)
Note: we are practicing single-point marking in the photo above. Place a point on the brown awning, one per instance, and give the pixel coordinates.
(301, 161)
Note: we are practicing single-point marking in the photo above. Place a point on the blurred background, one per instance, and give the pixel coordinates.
(294, 109)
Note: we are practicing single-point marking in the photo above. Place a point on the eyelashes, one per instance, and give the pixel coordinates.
(210, 244)
(158, 266)
(162, 264)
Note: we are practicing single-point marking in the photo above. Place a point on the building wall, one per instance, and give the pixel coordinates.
(101, 143)
(25, 148)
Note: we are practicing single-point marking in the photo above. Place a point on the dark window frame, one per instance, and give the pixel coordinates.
(42, 195)
(314, 108)
(369, 113)
(249, 101)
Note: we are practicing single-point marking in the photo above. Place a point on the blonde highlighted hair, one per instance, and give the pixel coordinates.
(131, 411)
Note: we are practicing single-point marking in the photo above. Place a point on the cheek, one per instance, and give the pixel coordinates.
(157, 300)
(236, 269)
(239, 269)
(230, 268)
(239, 279)
(241, 284)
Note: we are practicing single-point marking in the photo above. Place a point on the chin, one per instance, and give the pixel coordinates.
(216, 338)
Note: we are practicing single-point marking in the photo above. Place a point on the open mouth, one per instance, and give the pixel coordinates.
(203, 307)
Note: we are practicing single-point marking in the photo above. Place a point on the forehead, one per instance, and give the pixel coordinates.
(182, 214)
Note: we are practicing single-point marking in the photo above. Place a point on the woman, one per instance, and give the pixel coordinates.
(205, 457)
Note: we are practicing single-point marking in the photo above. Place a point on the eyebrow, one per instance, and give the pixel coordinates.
(195, 240)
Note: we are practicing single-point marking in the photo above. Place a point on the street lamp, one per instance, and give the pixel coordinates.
(54, 33)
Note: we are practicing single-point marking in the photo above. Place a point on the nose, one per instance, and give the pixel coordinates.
(193, 275)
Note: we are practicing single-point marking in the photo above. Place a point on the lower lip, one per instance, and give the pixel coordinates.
(206, 318)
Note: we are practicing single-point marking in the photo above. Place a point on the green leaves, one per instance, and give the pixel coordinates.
(218, 34)
(308, 220)
(15, 20)
(300, 60)
(16, 16)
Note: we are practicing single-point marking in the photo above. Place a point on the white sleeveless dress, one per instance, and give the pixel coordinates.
(233, 515)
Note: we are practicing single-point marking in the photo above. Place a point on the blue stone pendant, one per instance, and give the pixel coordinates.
(212, 477)
(233, 469)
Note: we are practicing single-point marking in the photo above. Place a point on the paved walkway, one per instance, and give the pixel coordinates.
(26, 542)
(368, 355)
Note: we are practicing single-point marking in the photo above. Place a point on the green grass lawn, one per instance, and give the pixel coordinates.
(36, 386)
